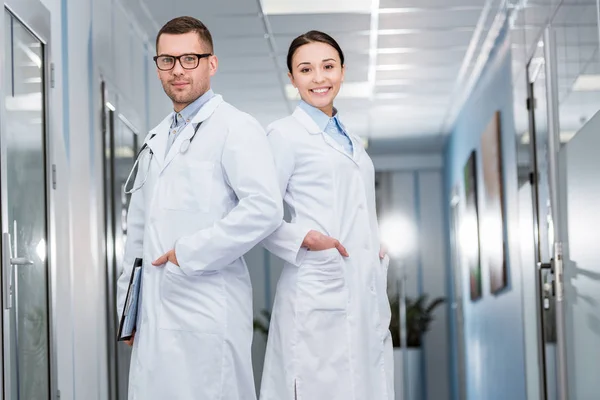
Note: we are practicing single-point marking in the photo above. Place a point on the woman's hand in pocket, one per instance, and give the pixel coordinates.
(316, 241)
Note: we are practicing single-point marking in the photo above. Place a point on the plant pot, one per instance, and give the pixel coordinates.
(408, 380)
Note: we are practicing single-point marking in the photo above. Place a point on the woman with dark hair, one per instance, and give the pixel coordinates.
(329, 336)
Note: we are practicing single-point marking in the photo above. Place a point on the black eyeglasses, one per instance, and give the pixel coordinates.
(187, 61)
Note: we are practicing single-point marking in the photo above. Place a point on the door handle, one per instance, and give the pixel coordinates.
(7, 273)
(21, 261)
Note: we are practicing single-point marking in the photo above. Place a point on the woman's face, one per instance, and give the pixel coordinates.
(317, 73)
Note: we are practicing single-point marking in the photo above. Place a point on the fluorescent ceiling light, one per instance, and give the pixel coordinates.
(390, 96)
(283, 7)
(397, 50)
(393, 82)
(349, 90)
(407, 10)
(395, 67)
(587, 83)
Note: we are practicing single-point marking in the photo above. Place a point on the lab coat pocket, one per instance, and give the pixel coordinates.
(194, 303)
(189, 187)
(321, 283)
(322, 345)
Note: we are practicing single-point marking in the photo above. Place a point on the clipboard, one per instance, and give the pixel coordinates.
(127, 325)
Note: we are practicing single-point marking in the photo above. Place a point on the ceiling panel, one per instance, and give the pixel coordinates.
(249, 64)
(420, 47)
(241, 46)
(437, 19)
(165, 10)
(239, 80)
(423, 72)
(331, 23)
(432, 57)
(437, 39)
(348, 41)
(441, 88)
(235, 26)
(255, 94)
(429, 3)
(577, 14)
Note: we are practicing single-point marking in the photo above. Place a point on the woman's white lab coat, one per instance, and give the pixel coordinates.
(329, 337)
(212, 204)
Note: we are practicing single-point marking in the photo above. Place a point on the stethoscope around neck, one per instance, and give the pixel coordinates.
(185, 146)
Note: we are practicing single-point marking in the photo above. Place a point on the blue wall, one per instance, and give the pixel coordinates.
(494, 344)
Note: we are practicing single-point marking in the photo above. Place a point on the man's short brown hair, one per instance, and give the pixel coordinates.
(183, 25)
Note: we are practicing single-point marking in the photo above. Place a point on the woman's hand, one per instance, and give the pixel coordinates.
(316, 241)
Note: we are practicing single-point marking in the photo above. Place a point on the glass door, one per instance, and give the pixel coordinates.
(543, 223)
(120, 144)
(26, 340)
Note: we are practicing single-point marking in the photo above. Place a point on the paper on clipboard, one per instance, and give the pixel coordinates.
(127, 325)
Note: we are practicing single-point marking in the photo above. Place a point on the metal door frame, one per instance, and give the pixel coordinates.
(37, 19)
(531, 105)
(553, 139)
(111, 104)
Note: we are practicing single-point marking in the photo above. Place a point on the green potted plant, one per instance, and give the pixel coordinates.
(419, 316)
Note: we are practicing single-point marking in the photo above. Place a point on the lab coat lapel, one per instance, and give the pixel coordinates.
(158, 140)
(312, 128)
(187, 133)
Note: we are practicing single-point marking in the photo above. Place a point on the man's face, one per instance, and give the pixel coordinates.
(183, 86)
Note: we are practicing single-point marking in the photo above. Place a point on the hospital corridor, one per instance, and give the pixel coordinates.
(300, 200)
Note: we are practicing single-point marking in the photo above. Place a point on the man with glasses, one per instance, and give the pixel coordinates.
(205, 193)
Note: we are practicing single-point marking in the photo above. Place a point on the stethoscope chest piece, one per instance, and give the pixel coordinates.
(185, 146)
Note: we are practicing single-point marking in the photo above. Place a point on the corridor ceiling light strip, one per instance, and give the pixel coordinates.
(395, 67)
(462, 74)
(587, 83)
(373, 42)
(481, 61)
(288, 7)
(410, 10)
(372, 73)
(413, 31)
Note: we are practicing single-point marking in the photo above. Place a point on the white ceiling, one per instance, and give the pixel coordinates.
(426, 55)
(419, 47)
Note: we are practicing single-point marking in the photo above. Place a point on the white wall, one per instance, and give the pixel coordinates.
(416, 194)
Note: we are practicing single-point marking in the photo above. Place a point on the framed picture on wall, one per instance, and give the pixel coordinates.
(469, 230)
(494, 243)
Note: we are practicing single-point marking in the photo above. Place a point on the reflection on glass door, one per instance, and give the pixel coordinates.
(543, 224)
(25, 289)
(120, 150)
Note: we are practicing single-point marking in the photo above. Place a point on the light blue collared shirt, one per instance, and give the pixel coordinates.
(330, 125)
(185, 116)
